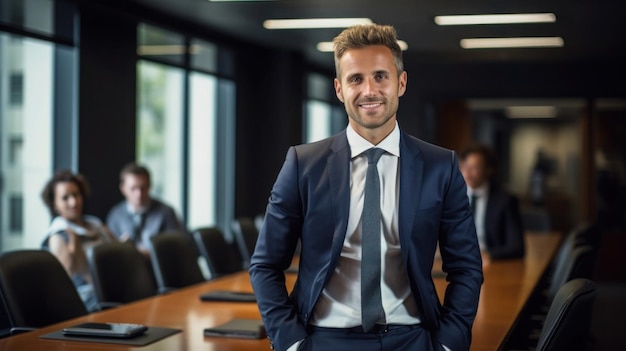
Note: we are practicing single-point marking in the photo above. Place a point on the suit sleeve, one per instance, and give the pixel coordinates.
(273, 254)
(513, 233)
(462, 263)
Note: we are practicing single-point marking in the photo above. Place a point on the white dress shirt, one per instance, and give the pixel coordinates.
(482, 196)
(339, 306)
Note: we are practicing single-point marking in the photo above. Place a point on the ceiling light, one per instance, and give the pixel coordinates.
(309, 23)
(531, 111)
(529, 42)
(327, 46)
(495, 19)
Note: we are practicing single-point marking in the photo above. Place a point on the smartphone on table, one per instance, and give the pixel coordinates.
(111, 330)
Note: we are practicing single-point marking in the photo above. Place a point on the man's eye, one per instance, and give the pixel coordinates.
(355, 79)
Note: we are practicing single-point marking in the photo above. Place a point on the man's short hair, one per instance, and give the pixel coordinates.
(489, 156)
(361, 36)
(134, 169)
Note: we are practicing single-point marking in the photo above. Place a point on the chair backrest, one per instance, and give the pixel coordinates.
(36, 289)
(582, 235)
(120, 273)
(567, 324)
(220, 256)
(577, 263)
(175, 261)
(246, 235)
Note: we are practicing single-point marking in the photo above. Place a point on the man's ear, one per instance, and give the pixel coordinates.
(338, 90)
(402, 81)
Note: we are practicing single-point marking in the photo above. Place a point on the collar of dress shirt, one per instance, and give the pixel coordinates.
(480, 191)
(139, 211)
(358, 144)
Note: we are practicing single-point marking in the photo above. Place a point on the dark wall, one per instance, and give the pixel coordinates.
(516, 79)
(270, 95)
(107, 108)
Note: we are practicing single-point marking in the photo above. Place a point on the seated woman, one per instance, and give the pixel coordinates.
(72, 233)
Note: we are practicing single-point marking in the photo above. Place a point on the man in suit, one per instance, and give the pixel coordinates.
(355, 292)
(139, 216)
(496, 212)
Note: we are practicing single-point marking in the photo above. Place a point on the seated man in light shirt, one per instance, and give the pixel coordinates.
(140, 216)
(496, 211)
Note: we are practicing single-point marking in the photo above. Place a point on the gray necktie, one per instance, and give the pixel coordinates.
(371, 301)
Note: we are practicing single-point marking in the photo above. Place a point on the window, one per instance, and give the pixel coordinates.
(202, 153)
(185, 125)
(37, 85)
(26, 69)
(318, 121)
(321, 118)
(159, 128)
(161, 45)
(33, 15)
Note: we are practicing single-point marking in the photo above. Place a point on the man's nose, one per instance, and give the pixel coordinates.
(369, 87)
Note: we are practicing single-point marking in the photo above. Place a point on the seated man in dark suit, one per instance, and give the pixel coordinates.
(140, 216)
(496, 212)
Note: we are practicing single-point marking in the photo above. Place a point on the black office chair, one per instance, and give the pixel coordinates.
(175, 261)
(578, 262)
(220, 256)
(36, 290)
(246, 235)
(568, 321)
(120, 273)
(580, 236)
(5, 323)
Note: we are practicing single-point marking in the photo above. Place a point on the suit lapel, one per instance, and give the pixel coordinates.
(411, 173)
(338, 165)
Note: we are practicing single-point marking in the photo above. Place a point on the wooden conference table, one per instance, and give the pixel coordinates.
(507, 287)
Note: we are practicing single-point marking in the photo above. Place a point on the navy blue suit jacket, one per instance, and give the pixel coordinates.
(310, 202)
(504, 232)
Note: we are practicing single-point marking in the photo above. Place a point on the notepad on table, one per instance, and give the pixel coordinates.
(229, 296)
(238, 328)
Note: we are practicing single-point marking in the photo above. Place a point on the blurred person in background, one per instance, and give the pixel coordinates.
(496, 211)
(71, 233)
(140, 216)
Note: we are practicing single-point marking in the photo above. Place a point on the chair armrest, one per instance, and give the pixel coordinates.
(17, 330)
